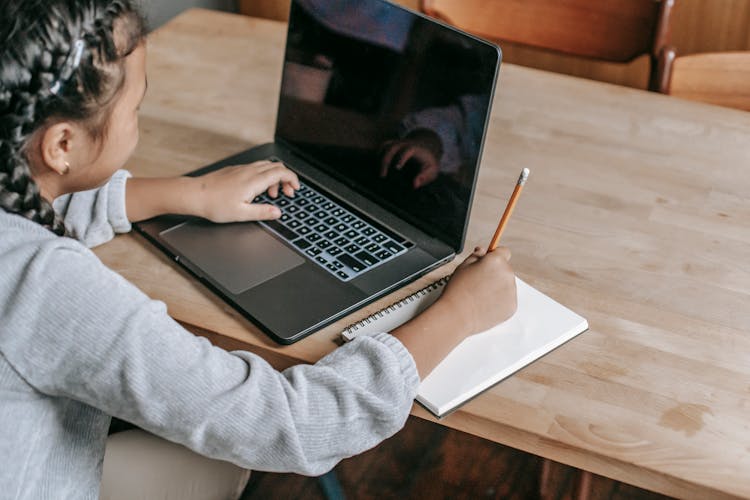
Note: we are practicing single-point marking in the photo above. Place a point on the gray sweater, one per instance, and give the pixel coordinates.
(78, 343)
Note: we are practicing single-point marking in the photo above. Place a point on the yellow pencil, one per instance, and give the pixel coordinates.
(509, 209)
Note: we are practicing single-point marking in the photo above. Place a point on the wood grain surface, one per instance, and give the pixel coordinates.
(636, 215)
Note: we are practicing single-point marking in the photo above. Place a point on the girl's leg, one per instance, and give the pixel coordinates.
(139, 465)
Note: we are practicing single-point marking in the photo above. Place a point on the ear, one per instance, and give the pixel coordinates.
(58, 146)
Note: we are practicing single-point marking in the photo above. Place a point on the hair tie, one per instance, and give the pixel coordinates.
(71, 64)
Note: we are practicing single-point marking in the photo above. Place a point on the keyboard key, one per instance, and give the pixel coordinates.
(308, 193)
(321, 228)
(352, 249)
(322, 260)
(331, 221)
(331, 267)
(379, 238)
(348, 218)
(341, 241)
(294, 224)
(285, 217)
(331, 235)
(361, 241)
(313, 237)
(282, 202)
(341, 227)
(324, 244)
(358, 224)
(304, 230)
(327, 205)
(337, 213)
(293, 209)
(281, 229)
(302, 215)
(342, 275)
(368, 259)
(302, 202)
(313, 252)
(393, 246)
(334, 251)
(351, 233)
(351, 263)
(321, 214)
(383, 254)
(337, 264)
(368, 231)
(372, 247)
(318, 199)
(301, 243)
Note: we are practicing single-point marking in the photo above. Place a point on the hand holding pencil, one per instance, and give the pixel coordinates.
(480, 294)
(483, 288)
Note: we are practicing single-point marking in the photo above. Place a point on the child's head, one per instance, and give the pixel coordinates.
(69, 72)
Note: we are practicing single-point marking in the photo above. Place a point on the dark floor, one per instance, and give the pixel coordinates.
(427, 460)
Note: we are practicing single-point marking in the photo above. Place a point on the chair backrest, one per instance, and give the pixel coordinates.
(605, 30)
(721, 78)
(271, 9)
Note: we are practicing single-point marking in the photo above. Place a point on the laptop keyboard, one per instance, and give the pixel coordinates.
(333, 237)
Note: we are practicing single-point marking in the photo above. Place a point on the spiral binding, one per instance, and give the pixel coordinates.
(397, 305)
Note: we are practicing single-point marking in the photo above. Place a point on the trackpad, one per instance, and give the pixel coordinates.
(237, 256)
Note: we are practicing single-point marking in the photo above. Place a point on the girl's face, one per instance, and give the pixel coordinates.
(121, 137)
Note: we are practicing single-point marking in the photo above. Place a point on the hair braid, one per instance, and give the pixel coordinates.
(18, 192)
(37, 37)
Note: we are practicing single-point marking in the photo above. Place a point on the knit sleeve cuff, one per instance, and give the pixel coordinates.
(404, 357)
(116, 210)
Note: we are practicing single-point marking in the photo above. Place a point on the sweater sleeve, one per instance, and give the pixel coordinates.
(93, 217)
(82, 331)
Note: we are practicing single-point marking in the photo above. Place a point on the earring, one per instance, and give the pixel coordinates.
(67, 169)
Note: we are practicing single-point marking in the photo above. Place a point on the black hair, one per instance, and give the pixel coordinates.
(42, 83)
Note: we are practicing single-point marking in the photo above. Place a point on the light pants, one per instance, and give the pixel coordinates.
(141, 466)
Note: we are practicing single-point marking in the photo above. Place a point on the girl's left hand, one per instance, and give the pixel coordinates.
(227, 195)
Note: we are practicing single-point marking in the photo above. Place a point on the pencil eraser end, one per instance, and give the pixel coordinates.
(524, 175)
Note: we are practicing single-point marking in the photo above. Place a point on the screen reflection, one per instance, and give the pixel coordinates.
(392, 104)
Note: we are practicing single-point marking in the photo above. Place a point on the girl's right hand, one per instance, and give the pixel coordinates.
(227, 195)
(482, 290)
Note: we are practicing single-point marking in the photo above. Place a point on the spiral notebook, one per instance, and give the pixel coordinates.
(539, 325)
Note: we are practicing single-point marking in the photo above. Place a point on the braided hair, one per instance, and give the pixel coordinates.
(40, 85)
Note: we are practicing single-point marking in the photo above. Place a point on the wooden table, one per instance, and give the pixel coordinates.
(637, 216)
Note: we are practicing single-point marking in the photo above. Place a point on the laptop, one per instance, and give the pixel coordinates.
(382, 114)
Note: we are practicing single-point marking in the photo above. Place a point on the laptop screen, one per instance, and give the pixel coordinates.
(393, 104)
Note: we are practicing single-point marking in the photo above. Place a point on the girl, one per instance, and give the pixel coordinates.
(79, 344)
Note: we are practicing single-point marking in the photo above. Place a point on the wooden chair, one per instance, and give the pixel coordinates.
(721, 78)
(271, 9)
(602, 30)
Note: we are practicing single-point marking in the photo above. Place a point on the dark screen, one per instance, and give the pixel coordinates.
(390, 103)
